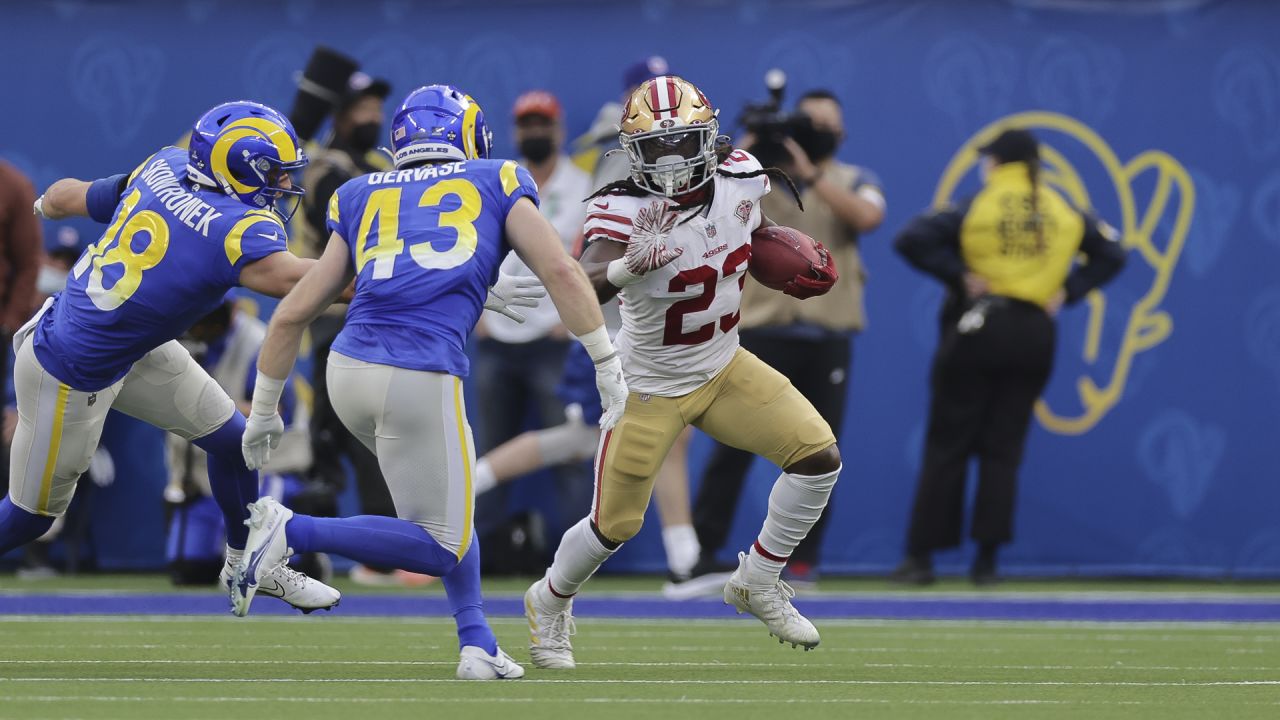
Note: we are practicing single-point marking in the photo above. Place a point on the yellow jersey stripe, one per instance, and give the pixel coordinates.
(55, 444)
(510, 183)
(466, 468)
(233, 245)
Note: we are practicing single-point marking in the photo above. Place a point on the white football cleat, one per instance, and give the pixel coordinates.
(549, 629)
(298, 589)
(264, 553)
(476, 664)
(772, 605)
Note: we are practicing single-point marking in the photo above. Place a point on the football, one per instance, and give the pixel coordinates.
(779, 253)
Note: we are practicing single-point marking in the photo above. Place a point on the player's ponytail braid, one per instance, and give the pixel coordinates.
(1037, 222)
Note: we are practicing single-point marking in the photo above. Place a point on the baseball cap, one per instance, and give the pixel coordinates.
(650, 67)
(537, 102)
(64, 240)
(360, 85)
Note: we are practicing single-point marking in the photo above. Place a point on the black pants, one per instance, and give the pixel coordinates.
(330, 439)
(984, 386)
(819, 369)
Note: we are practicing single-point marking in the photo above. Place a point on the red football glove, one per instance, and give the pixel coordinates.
(817, 281)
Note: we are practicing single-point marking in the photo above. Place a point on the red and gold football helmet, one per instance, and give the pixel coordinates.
(669, 131)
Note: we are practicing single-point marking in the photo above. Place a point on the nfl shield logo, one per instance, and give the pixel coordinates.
(711, 230)
(744, 211)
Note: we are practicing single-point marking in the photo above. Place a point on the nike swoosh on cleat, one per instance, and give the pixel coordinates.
(275, 589)
(251, 569)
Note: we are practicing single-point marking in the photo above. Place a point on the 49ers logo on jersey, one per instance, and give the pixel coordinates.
(744, 211)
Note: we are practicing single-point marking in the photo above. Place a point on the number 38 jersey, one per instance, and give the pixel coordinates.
(680, 323)
(426, 244)
(168, 258)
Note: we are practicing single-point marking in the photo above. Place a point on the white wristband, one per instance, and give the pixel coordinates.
(618, 274)
(266, 395)
(597, 344)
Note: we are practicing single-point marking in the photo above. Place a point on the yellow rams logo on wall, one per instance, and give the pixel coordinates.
(1155, 199)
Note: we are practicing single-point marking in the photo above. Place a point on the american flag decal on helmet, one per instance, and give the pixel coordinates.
(664, 97)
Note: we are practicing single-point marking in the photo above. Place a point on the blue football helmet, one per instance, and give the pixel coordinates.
(244, 149)
(439, 122)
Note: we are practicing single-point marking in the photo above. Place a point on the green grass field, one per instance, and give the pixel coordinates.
(335, 667)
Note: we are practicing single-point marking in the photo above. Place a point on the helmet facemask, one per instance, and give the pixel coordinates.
(284, 201)
(674, 160)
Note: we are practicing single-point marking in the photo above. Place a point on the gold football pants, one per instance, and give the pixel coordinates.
(748, 405)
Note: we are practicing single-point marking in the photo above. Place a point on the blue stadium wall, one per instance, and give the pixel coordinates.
(1155, 449)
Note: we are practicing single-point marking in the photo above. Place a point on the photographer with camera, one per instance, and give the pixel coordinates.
(809, 342)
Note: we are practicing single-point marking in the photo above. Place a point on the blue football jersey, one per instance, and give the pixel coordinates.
(167, 259)
(425, 244)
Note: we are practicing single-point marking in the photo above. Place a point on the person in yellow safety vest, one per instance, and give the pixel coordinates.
(1008, 259)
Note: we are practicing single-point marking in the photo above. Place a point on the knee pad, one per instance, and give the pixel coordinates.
(621, 527)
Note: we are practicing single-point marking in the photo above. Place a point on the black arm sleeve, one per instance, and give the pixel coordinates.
(1105, 258)
(931, 243)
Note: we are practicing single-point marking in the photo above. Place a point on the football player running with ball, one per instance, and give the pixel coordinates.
(186, 227)
(673, 242)
(423, 242)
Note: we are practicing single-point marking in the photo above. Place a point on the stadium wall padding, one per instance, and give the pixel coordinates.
(1156, 447)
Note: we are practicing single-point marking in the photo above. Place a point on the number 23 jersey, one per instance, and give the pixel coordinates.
(426, 244)
(168, 259)
(680, 323)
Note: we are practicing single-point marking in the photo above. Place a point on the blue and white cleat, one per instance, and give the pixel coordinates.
(476, 664)
(297, 589)
(262, 566)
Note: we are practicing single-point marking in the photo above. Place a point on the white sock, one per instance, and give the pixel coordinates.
(233, 555)
(483, 479)
(580, 554)
(681, 544)
(795, 504)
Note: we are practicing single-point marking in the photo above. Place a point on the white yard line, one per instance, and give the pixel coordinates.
(1137, 628)
(658, 701)
(1116, 667)
(631, 681)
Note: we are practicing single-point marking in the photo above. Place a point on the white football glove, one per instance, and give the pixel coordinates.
(261, 435)
(514, 291)
(613, 391)
(647, 248)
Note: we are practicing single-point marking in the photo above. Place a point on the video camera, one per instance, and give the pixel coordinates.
(770, 125)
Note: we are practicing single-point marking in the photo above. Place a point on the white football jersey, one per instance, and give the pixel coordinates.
(680, 323)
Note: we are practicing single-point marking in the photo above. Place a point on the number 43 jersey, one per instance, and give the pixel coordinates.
(426, 244)
(168, 258)
(680, 323)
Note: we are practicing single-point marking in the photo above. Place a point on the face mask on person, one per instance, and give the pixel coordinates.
(817, 144)
(364, 137)
(536, 149)
(50, 280)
